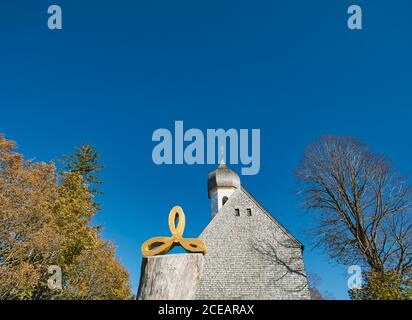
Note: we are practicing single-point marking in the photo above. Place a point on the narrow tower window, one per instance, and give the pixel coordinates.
(249, 212)
(237, 212)
(224, 200)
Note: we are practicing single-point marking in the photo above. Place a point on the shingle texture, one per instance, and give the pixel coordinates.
(250, 257)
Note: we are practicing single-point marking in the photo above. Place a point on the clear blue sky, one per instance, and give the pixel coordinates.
(121, 69)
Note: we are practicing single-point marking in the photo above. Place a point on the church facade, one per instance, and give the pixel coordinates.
(250, 254)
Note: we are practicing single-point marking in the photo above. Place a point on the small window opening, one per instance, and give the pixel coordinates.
(224, 200)
(249, 212)
(237, 212)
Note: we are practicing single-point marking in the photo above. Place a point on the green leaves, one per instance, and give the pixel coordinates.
(85, 162)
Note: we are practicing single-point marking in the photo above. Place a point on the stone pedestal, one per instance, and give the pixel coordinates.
(170, 277)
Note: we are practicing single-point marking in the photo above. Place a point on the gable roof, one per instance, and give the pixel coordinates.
(281, 226)
(266, 212)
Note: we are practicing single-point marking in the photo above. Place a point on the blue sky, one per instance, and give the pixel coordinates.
(120, 70)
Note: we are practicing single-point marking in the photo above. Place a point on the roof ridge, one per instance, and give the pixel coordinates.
(287, 232)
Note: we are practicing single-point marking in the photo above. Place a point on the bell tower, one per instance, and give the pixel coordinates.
(221, 183)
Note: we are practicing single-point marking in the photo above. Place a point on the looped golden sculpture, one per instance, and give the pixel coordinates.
(162, 245)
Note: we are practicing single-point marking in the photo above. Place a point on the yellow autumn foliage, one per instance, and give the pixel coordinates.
(45, 220)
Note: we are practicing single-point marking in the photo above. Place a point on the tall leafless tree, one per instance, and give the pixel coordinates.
(361, 204)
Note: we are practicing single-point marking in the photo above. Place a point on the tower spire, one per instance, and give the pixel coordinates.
(221, 183)
(222, 163)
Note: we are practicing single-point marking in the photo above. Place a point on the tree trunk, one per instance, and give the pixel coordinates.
(170, 277)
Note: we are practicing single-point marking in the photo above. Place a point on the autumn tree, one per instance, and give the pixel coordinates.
(387, 285)
(45, 220)
(360, 204)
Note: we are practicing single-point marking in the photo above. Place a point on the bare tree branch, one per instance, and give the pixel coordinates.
(361, 204)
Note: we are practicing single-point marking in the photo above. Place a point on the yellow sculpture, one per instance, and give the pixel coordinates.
(162, 245)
